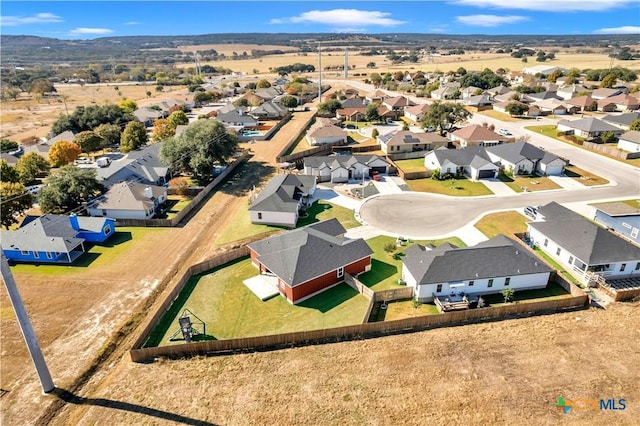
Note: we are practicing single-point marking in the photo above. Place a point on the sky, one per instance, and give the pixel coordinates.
(93, 19)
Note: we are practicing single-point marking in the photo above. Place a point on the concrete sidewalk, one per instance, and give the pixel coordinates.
(364, 231)
(567, 182)
(335, 198)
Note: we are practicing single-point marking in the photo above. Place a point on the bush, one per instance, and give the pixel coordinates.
(390, 247)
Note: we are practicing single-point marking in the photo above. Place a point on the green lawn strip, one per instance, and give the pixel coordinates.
(635, 203)
(553, 290)
(555, 265)
(229, 309)
(401, 309)
(532, 183)
(357, 124)
(456, 187)
(551, 131)
(413, 165)
(507, 223)
(322, 210)
(499, 115)
(96, 255)
(385, 269)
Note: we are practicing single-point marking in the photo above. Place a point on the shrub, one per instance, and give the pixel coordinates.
(390, 247)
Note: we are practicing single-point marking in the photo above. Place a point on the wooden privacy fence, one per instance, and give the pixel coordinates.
(191, 271)
(354, 332)
(611, 150)
(280, 156)
(193, 204)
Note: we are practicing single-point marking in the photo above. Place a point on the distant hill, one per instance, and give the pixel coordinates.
(26, 50)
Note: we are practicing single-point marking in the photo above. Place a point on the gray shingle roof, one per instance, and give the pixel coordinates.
(406, 137)
(51, 233)
(631, 136)
(517, 151)
(128, 196)
(464, 156)
(587, 241)
(143, 164)
(340, 160)
(497, 257)
(303, 254)
(589, 124)
(622, 119)
(282, 193)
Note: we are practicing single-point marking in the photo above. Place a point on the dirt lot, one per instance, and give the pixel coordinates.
(506, 372)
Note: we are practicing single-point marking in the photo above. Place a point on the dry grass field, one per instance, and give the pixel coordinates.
(505, 372)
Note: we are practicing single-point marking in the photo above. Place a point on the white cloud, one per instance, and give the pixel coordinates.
(132, 23)
(625, 29)
(90, 31)
(549, 5)
(490, 20)
(342, 18)
(38, 18)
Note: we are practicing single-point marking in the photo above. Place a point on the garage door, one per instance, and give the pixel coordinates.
(486, 174)
(377, 169)
(554, 170)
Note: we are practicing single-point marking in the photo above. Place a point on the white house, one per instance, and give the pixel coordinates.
(341, 168)
(416, 112)
(588, 127)
(542, 69)
(525, 159)
(129, 200)
(473, 162)
(581, 246)
(282, 200)
(629, 141)
(488, 267)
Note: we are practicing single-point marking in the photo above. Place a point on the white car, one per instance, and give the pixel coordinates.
(504, 132)
(83, 161)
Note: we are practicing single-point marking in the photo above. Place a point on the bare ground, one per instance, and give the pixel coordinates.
(505, 372)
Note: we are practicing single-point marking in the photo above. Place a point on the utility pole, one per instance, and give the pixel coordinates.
(346, 63)
(319, 75)
(27, 330)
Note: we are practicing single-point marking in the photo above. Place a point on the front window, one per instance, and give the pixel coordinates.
(490, 284)
(107, 230)
(622, 267)
(340, 272)
(471, 283)
(507, 281)
(558, 251)
(439, 288)
(259, 215)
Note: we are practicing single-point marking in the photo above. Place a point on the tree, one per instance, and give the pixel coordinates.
(68, 189)
(88, 141)
(375, 78)
(443, 115)
(461, 71)
(6, 145)
(31, 165)
(8, 173)
(371, 114)
(263, 84)
(63, 153)
(635, 125)
(88, 118)
(15, 201)
(289, 101)
(202, 97)
(162, 130)
(375, 133)
(516, 108)
(609, 80)
(110, 134)
(329, 107)
(133, 136)
(41, 87)
(608, 137)
(128, 105)
(554, 76)
(507, 293)
(177, 118)
(371, 65)
(242, 102)
(202, 145)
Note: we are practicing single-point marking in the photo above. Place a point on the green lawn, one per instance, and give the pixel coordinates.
(500, 115)
(532, 183)
(456, 187)
(176, 203)
(97, 255)
(413, 165)
(241, 227)
(552, 291)
(229, 309)
(401, 309)
(385, 269)
(507, 223)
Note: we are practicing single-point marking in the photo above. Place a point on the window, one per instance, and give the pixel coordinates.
(49, 256)
(259, 215)
(624, 265)
(570, 260)
(490, 284)
(634, 233)
(25, 252)
(546, 242)
(439, 288)
(471, 283)
(507, 281)
(637, 266)
(107, 230)
(341, 272)
(558, 251)
(36, 254)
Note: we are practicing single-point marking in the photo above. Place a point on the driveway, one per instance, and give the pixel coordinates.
(499, 188)
(335, 198)
(389, 185)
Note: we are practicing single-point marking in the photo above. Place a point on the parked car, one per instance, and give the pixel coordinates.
(103, 161)
(531, 211)
(504, 132)
(83, 161)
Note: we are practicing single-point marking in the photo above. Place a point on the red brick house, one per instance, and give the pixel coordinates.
(311, 259)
